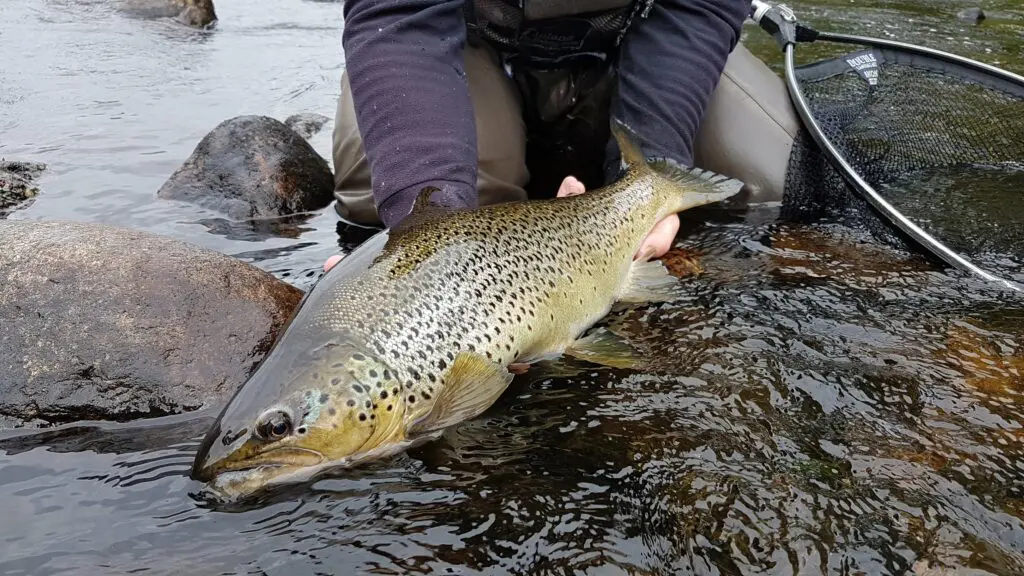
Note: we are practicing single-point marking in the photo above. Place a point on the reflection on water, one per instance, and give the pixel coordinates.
(819, 403)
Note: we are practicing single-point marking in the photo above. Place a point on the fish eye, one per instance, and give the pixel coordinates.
(274, 425)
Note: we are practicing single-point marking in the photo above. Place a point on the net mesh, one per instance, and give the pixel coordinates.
(941, 142)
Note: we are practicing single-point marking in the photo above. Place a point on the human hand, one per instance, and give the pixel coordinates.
(657, 242)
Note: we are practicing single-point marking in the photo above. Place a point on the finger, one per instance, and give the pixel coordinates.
(659, 240)
(331, 262)
(570, 187)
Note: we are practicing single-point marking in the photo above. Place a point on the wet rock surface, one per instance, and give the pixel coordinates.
(306, 124)
(253, 167)
(197, 13)
(973, 15)
(17, 184)
(105, 323)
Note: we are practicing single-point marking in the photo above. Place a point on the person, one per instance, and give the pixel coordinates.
(500, 100)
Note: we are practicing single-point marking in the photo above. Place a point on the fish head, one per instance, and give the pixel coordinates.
(312, 408)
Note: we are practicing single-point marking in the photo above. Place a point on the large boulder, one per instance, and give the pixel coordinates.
(253, 167)
(17, 184)
(106, 323)
(196, 13)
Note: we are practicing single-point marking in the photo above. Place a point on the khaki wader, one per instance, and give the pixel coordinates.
(746, 133)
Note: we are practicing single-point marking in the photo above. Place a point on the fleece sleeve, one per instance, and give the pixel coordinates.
(669, 66)
(404, 60)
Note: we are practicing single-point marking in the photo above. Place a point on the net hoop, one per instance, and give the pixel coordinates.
(789, 38)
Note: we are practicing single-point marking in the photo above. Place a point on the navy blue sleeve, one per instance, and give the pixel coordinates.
(669, 66)
(404, 61)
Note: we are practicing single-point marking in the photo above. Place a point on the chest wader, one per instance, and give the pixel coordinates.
(562, 62)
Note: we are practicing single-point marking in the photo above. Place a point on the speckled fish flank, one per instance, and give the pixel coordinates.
(413, 331)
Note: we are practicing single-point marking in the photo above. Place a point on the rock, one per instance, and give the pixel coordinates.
(974, 15)
(17, 184)
(197, 13)
(253, 167)
(105, 323)
(306, 124)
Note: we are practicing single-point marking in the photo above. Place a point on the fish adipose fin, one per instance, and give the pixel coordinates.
(696, 186)
(603, 347)
(472, 384)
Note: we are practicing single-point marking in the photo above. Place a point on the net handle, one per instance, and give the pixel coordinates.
(780, 22)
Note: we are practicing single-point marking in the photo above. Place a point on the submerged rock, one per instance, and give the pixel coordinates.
(253, 167)
(306, 124)
(17, 184)
(107, 323)
(974, 15)
(197, 13)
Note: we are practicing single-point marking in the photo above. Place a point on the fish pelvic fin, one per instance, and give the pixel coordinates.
(690, 187)
(472, 384)
(604, 348)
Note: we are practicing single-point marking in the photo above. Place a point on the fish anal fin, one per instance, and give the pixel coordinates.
(472, 384)
(649, 281)
(603, 347)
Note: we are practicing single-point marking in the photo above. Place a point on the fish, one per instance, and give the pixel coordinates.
(416, 329)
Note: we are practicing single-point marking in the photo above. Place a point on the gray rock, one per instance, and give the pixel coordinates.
(105, 323)
(17, 184)
(253, 167)
(196, 13)
(974, 15)
(306, 124)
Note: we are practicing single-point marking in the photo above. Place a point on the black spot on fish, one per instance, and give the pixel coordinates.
(373, 416)
(357, 388)
(358, 357)
(335, 381)
(323, 398)
(373, 373)
(332, 411)
(387, 374)
(412, 399)
(390, 407)
(369, 404)
(384, 395)
(426, 395)
(351, 403)
(362, 417)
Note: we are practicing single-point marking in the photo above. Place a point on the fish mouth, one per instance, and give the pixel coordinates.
(281, 458)
(243, 480)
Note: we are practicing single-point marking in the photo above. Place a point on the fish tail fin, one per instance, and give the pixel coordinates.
(689, 187)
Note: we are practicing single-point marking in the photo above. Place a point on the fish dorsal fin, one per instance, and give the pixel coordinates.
(422, 201)
(649, 281)
(422, 211)
(471, 385)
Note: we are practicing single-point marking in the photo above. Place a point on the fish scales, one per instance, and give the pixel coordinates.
(415, 334)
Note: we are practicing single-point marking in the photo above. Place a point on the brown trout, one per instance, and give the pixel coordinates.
(414, 331)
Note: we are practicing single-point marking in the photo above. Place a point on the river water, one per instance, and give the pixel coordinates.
(821, 403)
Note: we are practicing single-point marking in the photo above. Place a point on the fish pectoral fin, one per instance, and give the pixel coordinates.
(472, 385)
(650, 281)
(603, 347)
